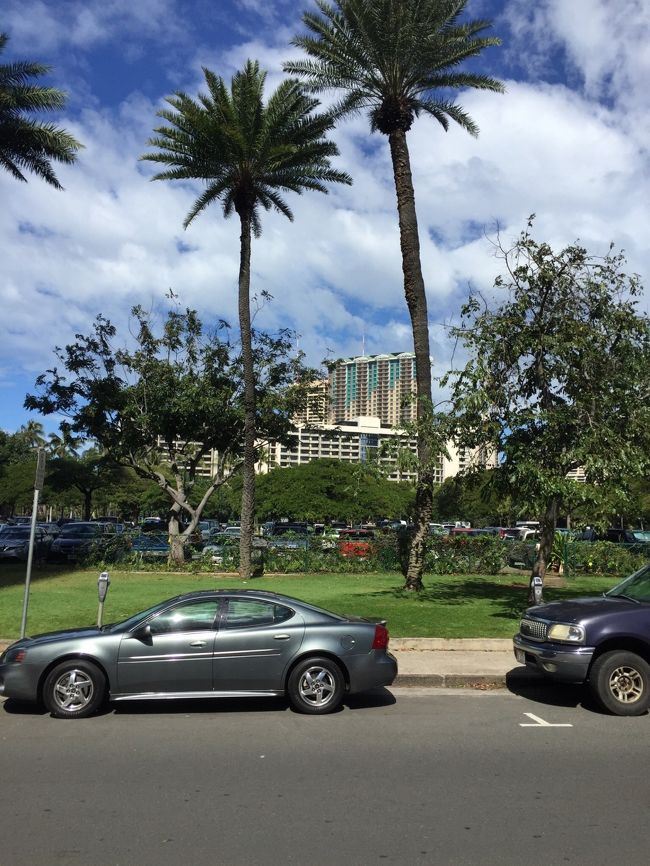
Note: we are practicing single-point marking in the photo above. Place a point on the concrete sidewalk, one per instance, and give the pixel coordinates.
(440, 663)
(473, 662)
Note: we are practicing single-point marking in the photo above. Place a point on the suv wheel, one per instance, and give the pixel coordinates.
(621, 682)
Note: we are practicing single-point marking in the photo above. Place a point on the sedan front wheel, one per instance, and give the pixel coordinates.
(74, 689)
(316, 686)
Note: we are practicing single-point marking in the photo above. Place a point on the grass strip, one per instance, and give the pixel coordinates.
(458, 606)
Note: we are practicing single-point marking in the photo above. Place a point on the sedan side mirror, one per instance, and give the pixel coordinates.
(143, 633)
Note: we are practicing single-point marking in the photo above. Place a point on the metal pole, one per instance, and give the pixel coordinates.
(30, 557)
(38, 486)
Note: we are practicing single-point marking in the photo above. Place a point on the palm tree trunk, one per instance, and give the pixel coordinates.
(416, 300)
(248, 469)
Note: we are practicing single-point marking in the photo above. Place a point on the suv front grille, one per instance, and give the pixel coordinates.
(533, 629)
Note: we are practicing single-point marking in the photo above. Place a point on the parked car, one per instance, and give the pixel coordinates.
(356, 543)
(219, 543)
(289, 536)
(14, 543)
(154, 524)
(638, 537)
(219, 643)
(76, 539)
(603, 641)
(149, 545)
(51, 529)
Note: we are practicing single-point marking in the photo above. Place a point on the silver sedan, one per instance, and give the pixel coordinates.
(217, 643)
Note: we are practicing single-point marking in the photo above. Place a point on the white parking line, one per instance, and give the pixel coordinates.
(540, 723)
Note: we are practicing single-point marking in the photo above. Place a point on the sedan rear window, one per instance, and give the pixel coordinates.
(252, 613)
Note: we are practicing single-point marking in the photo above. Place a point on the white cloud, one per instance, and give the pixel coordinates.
(114, 238)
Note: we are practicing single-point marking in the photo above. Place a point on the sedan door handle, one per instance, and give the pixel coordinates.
(198, 643)
(281, 636)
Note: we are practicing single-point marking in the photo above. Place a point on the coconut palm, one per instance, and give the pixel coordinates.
(398, 59)
(27, 144)
(247, 154)
(33, 434)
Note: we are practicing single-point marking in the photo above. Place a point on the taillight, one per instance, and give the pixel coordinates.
(381, 637)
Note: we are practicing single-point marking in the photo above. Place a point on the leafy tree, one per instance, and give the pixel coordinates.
(164, 405)
(14, 448)
(17, 486)
(475, 496)
(27, 144)
(325, 490)
(558, 378)
(246, 153)
(398, 59)
(88, 474)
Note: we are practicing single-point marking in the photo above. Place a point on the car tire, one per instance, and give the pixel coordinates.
(620, 681)
(316, 686)
(74, 689)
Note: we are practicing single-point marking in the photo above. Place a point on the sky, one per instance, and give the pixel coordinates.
(568, 141)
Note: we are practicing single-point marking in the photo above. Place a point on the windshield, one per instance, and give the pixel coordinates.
(15, 532)
(637, 586)
(74, 530)
(641, 535)
(126, 624)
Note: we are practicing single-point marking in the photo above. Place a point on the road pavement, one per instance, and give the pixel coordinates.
(401, 776)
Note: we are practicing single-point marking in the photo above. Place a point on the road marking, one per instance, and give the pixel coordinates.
(540, 723)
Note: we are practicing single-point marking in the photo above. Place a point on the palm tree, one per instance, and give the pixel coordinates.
(398, 59)
(246, 153)
(33, 434)
(65, 445)
(26, 143)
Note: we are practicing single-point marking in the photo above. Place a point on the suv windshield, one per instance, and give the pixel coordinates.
(636, 587)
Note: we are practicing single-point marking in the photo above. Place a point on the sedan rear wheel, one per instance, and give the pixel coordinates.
(316, 686)
(621, 682)
(74, 689)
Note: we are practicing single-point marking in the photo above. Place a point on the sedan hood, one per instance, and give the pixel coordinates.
(579, 609)
(65, 634)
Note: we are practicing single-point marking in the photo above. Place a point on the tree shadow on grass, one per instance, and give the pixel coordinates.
(12, 574)
(510, 598)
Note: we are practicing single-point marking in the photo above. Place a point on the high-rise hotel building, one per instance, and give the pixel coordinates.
(381, 386)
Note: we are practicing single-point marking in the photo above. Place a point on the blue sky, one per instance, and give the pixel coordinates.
(568, 142)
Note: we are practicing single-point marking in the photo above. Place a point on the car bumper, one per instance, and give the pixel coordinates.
(13, 553)
(567, 664)
(370, 671)
(19, 681)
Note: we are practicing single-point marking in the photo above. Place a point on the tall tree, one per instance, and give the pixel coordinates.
(246, 153)
(33, 434)
(171, 403)
(398, 59)
(558, 378)
(28, 144)
(88, 474)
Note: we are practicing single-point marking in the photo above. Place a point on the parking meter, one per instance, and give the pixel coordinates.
(538, 585)
(103, 582)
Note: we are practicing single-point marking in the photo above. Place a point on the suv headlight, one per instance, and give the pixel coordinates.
(566, 633)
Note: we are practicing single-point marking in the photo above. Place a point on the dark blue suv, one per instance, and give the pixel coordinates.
(603, 641)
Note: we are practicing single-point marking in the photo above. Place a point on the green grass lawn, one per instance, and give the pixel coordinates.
(450, 607)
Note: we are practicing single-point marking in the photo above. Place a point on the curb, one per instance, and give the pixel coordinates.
(518, 677)
(471, 644)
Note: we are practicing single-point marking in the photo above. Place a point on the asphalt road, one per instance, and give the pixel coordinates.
(405, 778)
